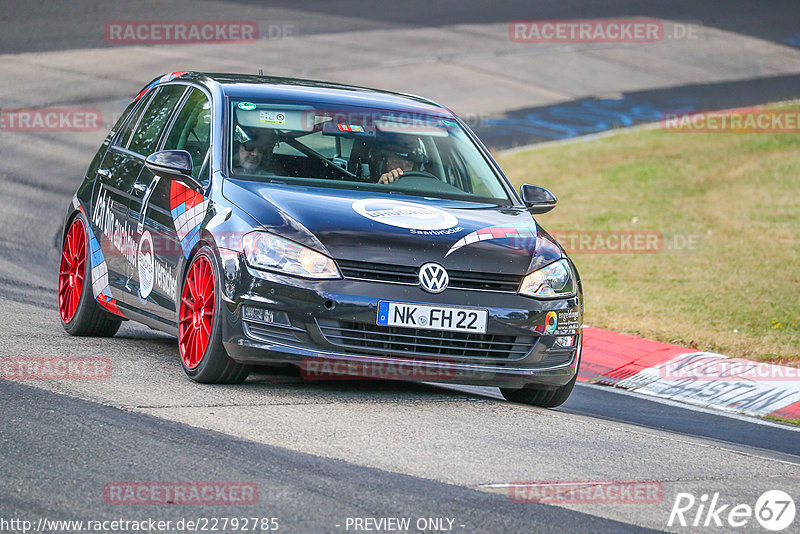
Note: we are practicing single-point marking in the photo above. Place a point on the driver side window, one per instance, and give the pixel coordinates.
(192, 132)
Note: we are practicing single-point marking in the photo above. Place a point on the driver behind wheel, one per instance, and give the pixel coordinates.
(404, 157)
(253, 149)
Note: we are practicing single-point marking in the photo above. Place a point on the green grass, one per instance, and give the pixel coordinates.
(795, 422)
(737, 196)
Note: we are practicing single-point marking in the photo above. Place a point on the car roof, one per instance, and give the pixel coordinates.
(255, 87)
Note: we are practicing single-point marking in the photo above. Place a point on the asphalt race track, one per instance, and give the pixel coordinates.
(320, 452)
(305, 492)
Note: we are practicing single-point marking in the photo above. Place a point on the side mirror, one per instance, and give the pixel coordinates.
(174, 164)
(537, 199)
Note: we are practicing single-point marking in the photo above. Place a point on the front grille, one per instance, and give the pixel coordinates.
(506, 283)
(410, 342)
(377, 272)
(401, 274)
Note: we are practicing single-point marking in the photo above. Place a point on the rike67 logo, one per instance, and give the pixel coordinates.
(774, 510)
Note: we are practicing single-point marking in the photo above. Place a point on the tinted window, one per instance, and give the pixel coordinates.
(366, 149)
(146, 136)
(125, 135)
(192, 130)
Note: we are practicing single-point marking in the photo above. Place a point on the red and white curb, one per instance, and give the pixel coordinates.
(700, 378)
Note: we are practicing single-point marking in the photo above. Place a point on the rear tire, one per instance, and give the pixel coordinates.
(545, 398)
(80, 313)
(203, 355)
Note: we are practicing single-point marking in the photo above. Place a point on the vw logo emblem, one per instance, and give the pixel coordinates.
(433, 278)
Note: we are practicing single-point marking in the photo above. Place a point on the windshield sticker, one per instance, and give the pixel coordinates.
(350, 128)
(526, 230)
(247, 106)
(404, 214)
(273, 117)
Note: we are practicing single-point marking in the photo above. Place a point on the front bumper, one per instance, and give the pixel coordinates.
(328, 328)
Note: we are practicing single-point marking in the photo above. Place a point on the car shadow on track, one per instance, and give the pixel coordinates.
(163, 348)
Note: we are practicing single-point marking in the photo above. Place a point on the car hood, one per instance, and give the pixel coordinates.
(398, 229)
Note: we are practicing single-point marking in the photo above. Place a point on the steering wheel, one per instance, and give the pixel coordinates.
(422, 174)
(425, 181)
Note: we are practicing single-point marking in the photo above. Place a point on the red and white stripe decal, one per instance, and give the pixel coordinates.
(700, 378)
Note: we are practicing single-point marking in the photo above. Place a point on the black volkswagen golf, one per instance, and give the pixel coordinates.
(348, 231)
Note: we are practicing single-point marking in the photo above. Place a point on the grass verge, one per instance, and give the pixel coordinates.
(795, 422)
(727, 209)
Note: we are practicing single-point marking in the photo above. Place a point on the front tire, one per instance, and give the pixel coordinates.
(203, 356)
(79, 311)
(545, 398)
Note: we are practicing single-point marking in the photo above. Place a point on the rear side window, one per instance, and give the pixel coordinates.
(145, 138)
(132, 120)
(192, 132)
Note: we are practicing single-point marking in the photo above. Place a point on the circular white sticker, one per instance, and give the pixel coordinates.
(775, 510)
(145, 259)
(404, 214)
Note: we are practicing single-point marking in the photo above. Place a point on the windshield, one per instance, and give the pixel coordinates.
(359, 148)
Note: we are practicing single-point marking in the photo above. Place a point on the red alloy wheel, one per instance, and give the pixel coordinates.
(71, 273)
(197, 312)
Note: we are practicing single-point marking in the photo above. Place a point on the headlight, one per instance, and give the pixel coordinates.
(268, 251)
(554, 281)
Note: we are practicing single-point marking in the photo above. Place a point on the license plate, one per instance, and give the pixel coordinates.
(410, 315)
